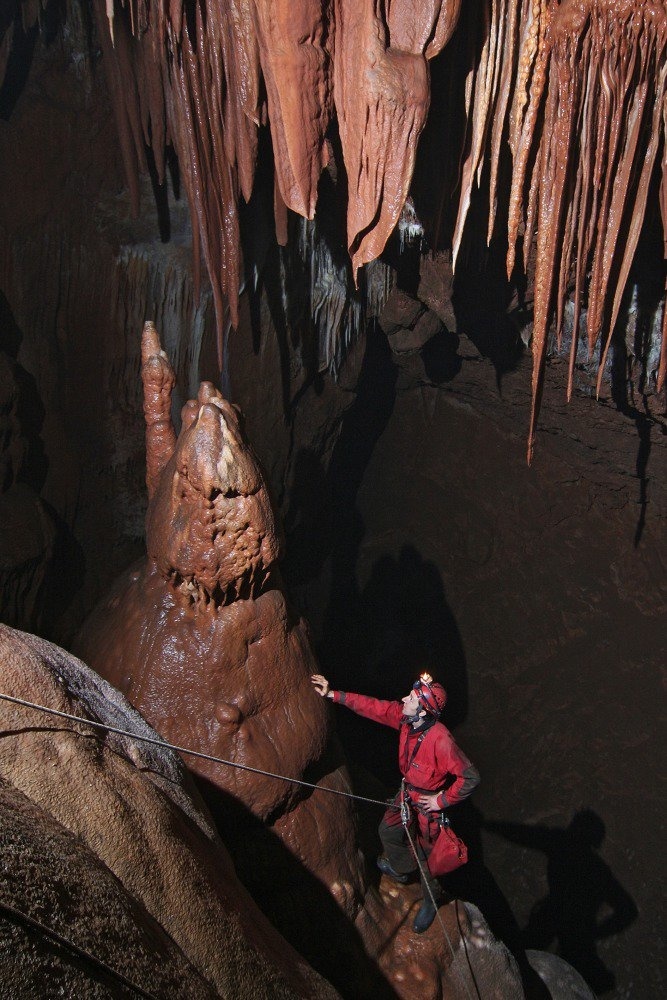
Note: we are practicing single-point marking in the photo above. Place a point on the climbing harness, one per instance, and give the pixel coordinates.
(405, 806)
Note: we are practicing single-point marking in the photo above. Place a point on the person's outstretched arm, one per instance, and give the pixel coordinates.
(388, 713)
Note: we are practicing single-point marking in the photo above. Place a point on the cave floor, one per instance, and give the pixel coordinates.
(538, 595)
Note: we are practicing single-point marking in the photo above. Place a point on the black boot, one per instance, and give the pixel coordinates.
(386, 869)
(426, 914)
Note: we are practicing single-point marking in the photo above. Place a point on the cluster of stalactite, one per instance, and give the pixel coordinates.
(576, 87)
(579, 87)
(573, 92)
(205, 76)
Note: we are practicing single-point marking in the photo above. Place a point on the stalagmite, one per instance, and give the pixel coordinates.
(159, 380)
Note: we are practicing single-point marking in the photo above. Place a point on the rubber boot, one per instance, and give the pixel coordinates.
(426, 914)
(386, 869)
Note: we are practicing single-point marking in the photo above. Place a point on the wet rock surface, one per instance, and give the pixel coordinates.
(107, 843)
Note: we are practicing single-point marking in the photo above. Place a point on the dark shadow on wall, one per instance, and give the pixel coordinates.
(295, 901)
(20, 59)
(581, 887)
(402, 626)
(323, 506)
(409, 628)
(41, 563)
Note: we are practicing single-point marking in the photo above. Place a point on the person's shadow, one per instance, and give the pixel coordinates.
(581, 886)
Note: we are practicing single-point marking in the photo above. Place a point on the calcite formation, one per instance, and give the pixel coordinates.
(106, 843)
(581, 88)
(204, 78)
(202, 640)
(572, 91)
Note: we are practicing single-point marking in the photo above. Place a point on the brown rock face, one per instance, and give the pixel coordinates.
(108, 845)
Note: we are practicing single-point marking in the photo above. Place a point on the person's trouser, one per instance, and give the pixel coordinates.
(401, 855)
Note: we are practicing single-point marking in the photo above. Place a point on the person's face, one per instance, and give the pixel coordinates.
(411, 705)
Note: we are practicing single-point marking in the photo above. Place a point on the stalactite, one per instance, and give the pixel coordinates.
(293, 45)
(587, 120)
(338, 316)
(623, 95)
(196, 80)
(381, 93)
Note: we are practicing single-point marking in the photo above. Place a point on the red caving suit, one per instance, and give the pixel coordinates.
(436, 765)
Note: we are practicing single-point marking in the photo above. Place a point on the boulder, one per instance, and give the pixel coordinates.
(108, 845)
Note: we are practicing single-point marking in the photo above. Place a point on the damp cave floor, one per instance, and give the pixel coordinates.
(538, 595)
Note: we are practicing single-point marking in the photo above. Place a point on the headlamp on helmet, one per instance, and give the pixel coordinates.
(430, 695)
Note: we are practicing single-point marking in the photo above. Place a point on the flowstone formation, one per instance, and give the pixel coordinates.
(202, 641)
(106, 846)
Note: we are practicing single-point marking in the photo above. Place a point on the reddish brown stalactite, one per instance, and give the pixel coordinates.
(589, 82)
(381, 91)
(623, 94)
(296, 67)
(369, 57)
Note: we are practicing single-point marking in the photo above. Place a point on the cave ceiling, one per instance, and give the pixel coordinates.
(563, 128)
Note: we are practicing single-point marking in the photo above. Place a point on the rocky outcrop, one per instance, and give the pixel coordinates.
(107, 845)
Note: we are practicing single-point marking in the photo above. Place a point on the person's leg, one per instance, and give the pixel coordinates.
(396, 846)
(431, 890)
(427, 880)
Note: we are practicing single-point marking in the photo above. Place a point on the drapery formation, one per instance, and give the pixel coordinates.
(204, 76)
(571, 92)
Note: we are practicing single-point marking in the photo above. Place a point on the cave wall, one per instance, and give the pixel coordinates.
(79, 276)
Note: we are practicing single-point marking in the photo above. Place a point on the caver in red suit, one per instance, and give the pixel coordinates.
(436, 773)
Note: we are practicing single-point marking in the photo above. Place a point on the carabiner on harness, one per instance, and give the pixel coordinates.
(406, 814)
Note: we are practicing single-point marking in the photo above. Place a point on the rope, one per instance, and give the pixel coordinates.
(75, 948)
(267, 774)
(426, 884)
(194, 753)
